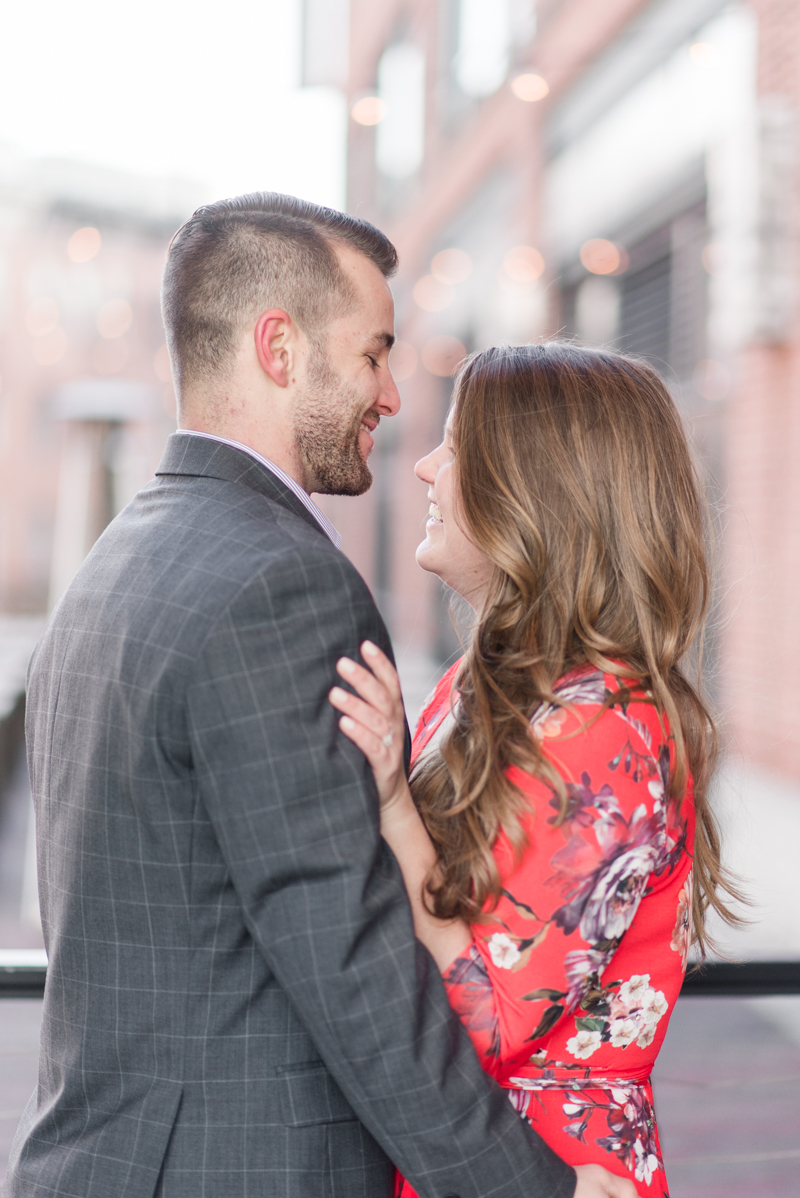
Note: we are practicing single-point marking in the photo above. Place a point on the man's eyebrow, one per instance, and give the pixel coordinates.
(382, 340)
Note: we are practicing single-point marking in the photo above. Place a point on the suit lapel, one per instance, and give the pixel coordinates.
(200, 457)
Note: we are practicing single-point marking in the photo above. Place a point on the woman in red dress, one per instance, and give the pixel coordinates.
(556, 840)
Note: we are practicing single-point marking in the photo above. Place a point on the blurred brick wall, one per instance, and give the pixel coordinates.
(761, 638)
(759, 621)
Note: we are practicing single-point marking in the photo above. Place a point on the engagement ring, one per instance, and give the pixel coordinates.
(387, 739)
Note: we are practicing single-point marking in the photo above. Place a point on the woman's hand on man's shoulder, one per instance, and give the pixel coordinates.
(596, 1182)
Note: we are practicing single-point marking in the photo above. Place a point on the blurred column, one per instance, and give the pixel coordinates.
(93, 474)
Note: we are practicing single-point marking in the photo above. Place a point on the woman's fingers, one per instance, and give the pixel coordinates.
(370, 688)
(370, 745)
(384, 671)
(358, 710)
(379, 686)
(374, 720)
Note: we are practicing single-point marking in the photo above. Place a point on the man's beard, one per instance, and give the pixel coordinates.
(326, 429)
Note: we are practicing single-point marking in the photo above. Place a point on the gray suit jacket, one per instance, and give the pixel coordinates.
(236, 1005)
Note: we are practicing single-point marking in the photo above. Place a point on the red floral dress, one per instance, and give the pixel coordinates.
(567, 991)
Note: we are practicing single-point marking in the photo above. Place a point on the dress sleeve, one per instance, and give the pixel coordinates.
(571, 895)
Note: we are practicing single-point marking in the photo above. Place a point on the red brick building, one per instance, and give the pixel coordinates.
(623, 172)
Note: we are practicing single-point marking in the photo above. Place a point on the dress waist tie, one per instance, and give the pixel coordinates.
(551, 1079)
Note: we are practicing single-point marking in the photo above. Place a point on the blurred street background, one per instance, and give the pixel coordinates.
(621, 172)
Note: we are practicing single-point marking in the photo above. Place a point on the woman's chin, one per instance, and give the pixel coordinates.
(426, 556)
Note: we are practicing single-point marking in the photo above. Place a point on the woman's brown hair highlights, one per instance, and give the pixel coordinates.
(576, 480)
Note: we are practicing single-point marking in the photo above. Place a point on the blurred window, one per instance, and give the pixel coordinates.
(326, 34)
(645, 308)
(484, 44)
(400, 143)
(656, 303)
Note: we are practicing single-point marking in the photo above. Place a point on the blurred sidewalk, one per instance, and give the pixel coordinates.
(727, 1097)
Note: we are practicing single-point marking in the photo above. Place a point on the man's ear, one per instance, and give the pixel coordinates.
(275, 339)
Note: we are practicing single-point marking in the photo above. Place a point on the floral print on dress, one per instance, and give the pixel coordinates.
(568, 985)
(629, 1117)
(476, 994)
(603, 869)
(682, 932)
(620, 1014)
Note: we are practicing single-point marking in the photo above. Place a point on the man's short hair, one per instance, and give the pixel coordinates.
(236, 258)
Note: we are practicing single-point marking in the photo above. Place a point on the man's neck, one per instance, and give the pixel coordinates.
(279, 450)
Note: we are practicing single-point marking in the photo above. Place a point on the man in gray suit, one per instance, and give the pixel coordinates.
(236, 1005)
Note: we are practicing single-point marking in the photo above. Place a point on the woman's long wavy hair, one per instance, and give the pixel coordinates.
(575, 478)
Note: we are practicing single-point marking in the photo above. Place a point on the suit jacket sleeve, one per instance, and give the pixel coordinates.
(296, 814)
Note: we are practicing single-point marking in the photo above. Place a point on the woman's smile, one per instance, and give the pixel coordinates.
(435, 516)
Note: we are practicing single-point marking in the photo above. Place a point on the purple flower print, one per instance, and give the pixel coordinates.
(632, 1124)
(474, 1000)
(619, 888)
(583, 969)
(604, 868)
(581, 686)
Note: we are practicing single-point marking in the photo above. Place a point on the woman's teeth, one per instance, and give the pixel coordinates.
(435, 514)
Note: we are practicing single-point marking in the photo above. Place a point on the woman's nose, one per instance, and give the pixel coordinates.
(423, 469)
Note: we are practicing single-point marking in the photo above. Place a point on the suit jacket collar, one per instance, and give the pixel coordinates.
(200, 457)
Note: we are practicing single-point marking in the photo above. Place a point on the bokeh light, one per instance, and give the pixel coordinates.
(712, 258)
(50, 348)
(530, 87)
(369, 110)
(84, 244)
(451, 266)
(114, 318)
(41, 317)
(109, 357)
(712, 380)
(161, 365)
(524, 264)
(441, 355)
(603, 257)
(703, 54)
(403, 361)
(431, 294)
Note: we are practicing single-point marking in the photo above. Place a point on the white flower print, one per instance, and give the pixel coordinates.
(520, 1100)
(646, 1163)
(584, 1044)
(655, 1004)
(503, 951)
(656, 788)
(623, 1032)
(632, 992)
(646, 1036)
(635, 1010)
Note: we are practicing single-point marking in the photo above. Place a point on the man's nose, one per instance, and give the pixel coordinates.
(389, 402)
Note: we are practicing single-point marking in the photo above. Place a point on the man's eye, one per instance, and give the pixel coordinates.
(374, 361)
